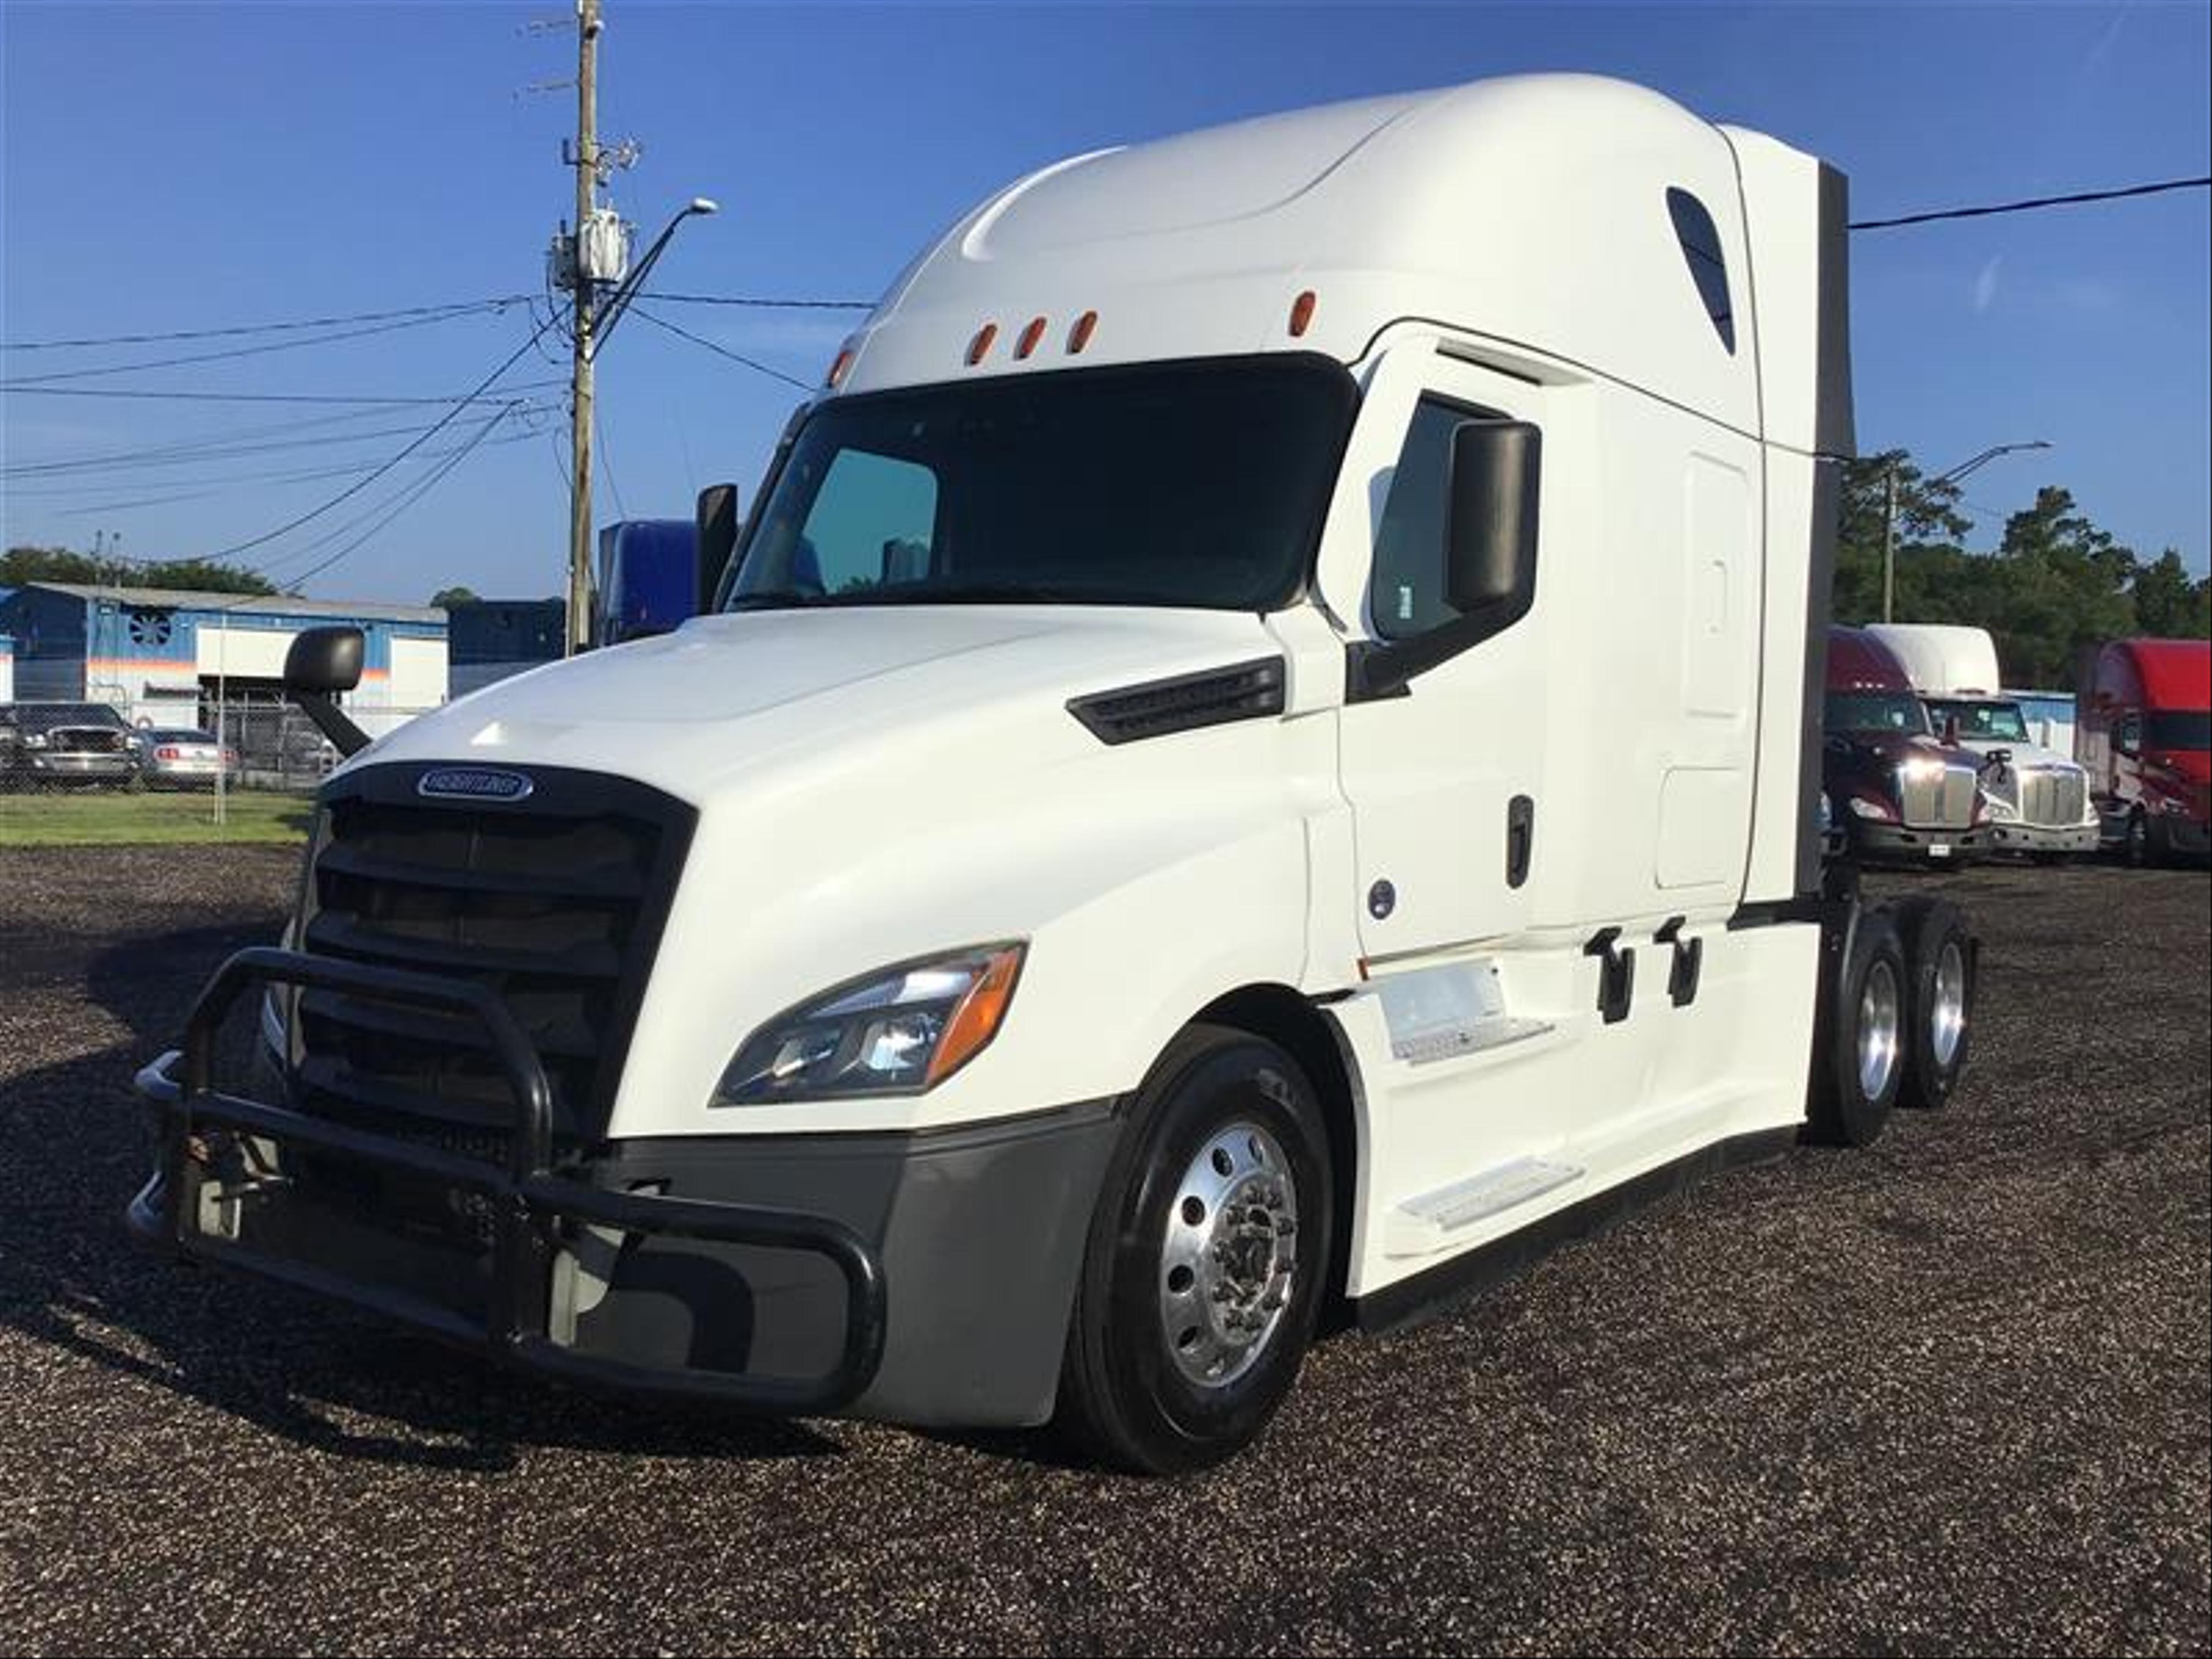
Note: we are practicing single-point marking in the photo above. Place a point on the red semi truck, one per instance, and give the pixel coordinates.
(2144, 726)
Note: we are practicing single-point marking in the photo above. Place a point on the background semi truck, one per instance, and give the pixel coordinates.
(2143, 732)
(1897, 794)
(1079, 915)
(2038, 800)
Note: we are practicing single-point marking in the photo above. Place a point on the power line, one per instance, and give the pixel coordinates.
(2033, 203)
(407, 499)
(237, 351)
(7, 390)
(723, 350)
(456, 307)
(202, 488)
(760, 304)
(356, 487)
(214, 450)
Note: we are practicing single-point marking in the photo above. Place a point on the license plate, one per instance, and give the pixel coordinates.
(1939, 849)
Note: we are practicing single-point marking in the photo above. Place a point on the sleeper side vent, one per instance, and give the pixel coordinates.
(1250, 690)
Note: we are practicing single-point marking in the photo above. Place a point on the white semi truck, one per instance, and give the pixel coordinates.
(1259, 759)
(2039, 799)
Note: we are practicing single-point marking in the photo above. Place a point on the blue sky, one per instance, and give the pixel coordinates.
(172, 167)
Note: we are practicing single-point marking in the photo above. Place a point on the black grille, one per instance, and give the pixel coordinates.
(555, 900)
(1250, 690)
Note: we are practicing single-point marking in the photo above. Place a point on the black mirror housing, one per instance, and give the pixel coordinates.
(1490, 525)
(717, 525)
(323, 660)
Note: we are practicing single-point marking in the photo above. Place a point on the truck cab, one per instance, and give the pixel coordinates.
(1260, 756)
(2142, 732)
(2038, 800)
(1898, 792)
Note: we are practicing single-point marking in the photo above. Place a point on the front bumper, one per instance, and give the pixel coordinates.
(64, 765)
(2005, 836)
(924, 1278)
(1876, 843)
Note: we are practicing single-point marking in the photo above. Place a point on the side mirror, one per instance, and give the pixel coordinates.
(322, 661)
(1490, 525)
(717, 525)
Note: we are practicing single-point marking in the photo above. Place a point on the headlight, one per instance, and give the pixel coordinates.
(1923, 769)
(896, 1032)
(1862, 807)
(34, 741)
(2173, 804)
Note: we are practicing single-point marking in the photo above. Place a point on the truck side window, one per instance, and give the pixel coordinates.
(1408, 596)
(1701, 247)
(873, 521)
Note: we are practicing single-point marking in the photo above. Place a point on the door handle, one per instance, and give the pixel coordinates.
(1520, 838)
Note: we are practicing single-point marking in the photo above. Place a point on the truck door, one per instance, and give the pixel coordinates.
(1443, 775)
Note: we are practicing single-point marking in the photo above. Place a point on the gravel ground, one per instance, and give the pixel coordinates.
(1953, 1393)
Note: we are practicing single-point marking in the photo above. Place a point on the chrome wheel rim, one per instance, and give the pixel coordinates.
(1878, 1030)
(1230, 1256)
(1947, 1017)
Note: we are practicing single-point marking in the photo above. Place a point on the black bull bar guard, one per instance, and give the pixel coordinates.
(526, 1199)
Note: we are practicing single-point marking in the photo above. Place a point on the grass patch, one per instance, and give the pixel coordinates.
(115, 818)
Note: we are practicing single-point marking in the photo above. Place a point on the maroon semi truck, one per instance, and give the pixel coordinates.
(2142, 729)
(1897, 793)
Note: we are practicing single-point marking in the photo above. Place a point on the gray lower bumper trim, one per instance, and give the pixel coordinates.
(980, 1230)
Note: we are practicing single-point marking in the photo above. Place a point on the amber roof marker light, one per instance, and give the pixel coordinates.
(980, 347)
(842, 365)
(1031, 333)
(1301, 311)
(1079, 336)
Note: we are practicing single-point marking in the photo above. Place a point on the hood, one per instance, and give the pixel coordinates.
(2025, 757)
(1893, 746)
(739, 696)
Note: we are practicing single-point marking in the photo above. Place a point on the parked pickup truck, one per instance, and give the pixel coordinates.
(2038, 800)
(1262, 755)
(46, 745)
(2143, 732)
(1897, 794)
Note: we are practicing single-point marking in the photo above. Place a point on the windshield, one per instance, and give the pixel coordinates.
(1198, 484)
(1876, 711)
(2177, 728)
(1980, 720)
(45, 716)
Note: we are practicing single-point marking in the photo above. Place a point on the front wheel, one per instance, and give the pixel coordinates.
(1202, 1279)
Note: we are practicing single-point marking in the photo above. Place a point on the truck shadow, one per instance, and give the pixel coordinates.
(72, 1280)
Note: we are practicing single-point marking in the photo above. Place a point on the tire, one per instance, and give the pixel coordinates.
(1942, 968)
(2136, 848)
(1856, 1072)
(1176, 1358)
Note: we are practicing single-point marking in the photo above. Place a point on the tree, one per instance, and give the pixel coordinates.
(2065, 588)
(2168, 604)
(451, 599)
(1929, 528)
(59, 564)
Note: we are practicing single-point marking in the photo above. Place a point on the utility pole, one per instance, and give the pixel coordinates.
(1889, 543)
(582, 288)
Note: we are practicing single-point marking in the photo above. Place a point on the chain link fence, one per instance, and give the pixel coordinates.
(88, 773)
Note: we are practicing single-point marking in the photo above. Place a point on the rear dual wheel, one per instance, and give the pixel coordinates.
(1898, 1020)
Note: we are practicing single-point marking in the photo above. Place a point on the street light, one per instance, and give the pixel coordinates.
(618, 302)
(590, 328)
(1889, 511)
